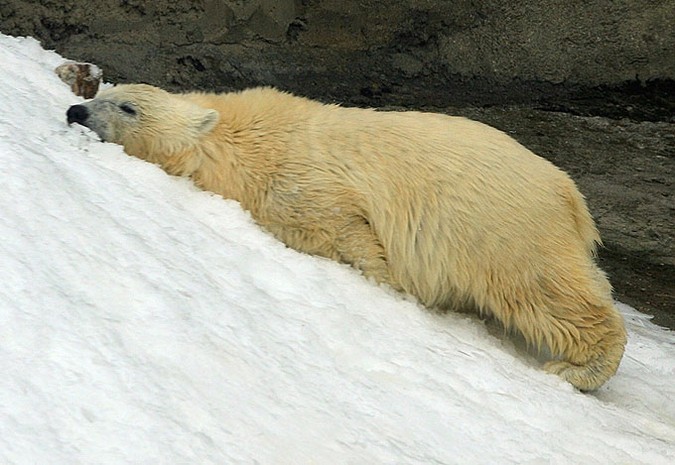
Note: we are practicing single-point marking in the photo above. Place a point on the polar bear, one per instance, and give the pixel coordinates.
(449, 210)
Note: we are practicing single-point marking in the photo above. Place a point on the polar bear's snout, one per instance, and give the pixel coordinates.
(77, 114)
(84, 116)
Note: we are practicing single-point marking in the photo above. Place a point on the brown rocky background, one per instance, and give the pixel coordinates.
(589, 84)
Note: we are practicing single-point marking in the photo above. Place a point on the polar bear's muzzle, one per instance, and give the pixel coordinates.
(81, 115)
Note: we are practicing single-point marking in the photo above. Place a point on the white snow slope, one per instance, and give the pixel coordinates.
(145, 322)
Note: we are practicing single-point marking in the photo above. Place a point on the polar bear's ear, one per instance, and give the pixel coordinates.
(206, 121)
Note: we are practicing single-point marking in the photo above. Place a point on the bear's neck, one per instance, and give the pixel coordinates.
(183, 163)
(221, 172)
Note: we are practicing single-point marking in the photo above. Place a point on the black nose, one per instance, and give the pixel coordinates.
(77, 114)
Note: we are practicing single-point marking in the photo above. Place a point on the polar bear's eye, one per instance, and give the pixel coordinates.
(126, 108)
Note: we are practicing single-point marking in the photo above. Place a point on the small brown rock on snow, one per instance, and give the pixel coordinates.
(83, 78)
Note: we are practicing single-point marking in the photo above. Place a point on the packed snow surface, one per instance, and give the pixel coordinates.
(143, 321)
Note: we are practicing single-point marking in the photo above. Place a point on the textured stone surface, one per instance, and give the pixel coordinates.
(374, 51)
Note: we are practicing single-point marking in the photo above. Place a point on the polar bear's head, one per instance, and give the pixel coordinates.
(149, 122)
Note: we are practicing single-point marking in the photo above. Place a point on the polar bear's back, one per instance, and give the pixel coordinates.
(455, 201)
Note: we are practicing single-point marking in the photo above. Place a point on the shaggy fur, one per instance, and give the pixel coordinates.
(449, 210)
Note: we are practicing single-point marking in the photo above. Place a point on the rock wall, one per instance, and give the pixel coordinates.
(373, 52)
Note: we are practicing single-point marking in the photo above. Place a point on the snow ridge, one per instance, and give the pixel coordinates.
(143, 321)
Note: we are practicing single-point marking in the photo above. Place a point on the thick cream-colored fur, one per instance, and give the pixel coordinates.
(449, 210)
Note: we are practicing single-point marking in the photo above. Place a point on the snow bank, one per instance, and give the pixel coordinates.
(143, 321)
